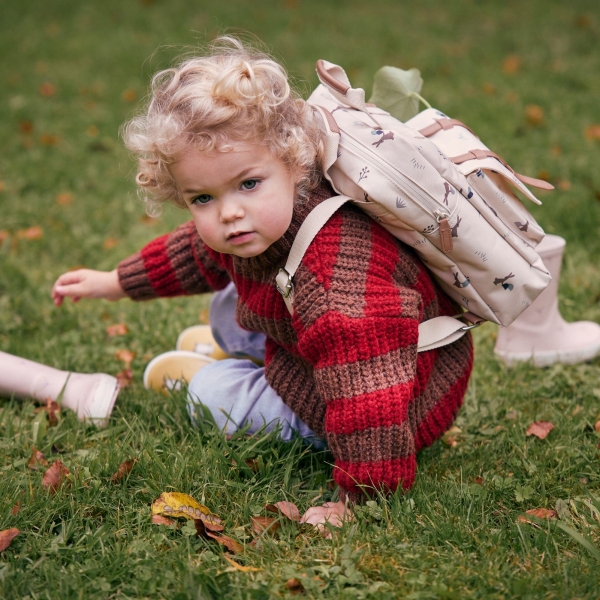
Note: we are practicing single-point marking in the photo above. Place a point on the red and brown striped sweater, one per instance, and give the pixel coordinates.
(346, 362)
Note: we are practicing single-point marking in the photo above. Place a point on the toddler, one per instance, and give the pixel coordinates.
(225, 138)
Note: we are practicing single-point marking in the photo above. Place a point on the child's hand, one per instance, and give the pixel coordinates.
(334, 513)
(85, 283)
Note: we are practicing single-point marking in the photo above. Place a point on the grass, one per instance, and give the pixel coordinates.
(456, 533)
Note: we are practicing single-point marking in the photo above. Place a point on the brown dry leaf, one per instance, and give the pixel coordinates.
(31, 233)
(125, 356)
(543, 175)
(129, 95)
(92, 131)
(55, 476)
(534, 115)
(64, 199)
(148, 220)
(597, 426)
(479, 480)
(124, 469)
(265, 524)
(117, 329)
(229, 543)
(239, 567)
(52, 408)
(542, 513)
(6, 537)
(37, 460)
(124, 377)
(564, 185)
(295, 586)
(47, 90)
(592, 132)
(556, 150)
(49, 139)
(160, 520)
(2, 186)
(489, 89)
(583, 22)
(540, 429)
(16, 508)
(288, 509)
(26, 126)
(511, 64)
(109, 243)
(253, 464)
(4, 235)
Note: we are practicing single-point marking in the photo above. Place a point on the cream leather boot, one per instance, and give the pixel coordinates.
(540, 333)
(91, 396)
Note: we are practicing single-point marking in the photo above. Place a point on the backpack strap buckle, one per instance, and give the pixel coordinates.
(283, 283)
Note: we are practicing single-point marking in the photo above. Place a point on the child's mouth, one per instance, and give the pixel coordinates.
(240, 238)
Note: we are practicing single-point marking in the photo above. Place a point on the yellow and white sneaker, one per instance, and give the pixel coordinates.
(199, 339)
(167, 371)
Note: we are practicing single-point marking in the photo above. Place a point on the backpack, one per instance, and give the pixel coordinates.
(435, 186)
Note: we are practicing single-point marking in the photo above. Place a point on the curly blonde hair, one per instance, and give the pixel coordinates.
(234, 93)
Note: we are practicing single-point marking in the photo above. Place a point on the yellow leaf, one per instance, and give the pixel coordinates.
(239, 567)
(511, 64)
(177, 504)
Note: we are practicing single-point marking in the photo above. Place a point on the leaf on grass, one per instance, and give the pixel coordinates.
(64, 199)
(49, 139)
(6, 537)
(16, 508)
(123, 470)
(47, 90)
(4, 235)
(160, 520)
(117, 329)
(592, 132)
(265, 524)
(124, 377)
(229, 543)
(52, 408)
(109, 243)
(287, 509)
(253, 464)
(597, 426)
(511, 64)
(397, 91)
(55, 476)
(239, 567)
(31, 233)
(534, 115)
(540, 429)
(450, 438)
(37, 460)
(26, 126)
(540, 513)
(129, 95)
(125, 356)
(295, 586)
(176, 504)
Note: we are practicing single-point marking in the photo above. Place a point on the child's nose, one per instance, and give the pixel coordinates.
(231, 210)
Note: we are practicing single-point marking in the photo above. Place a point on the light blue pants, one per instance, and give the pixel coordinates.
(235, 390)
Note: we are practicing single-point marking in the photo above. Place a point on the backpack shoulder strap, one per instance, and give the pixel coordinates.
(434, 333)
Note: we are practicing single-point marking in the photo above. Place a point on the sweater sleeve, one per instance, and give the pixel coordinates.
(175, 264)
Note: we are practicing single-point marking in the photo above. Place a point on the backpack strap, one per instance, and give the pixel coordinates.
(434, 333)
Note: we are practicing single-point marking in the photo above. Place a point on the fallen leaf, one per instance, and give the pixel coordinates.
(55, 476)
(543, 175)
(92, 131)
(123, 470)
(160, 520)
(450, 437)
(564, 185)
(129, 95)
(265, 524)
(117, 329)
(288, 509)
(64, 199)
(31, 233)
(6, 537)
(295, 586)
(540, 429)
(229, 543)
(239, 567)
(148, 220)
(16, 508)
(125, 356)
(203, 316)
(52, 408)
(49, 139)
(37, 460)
(109, 243)
(542, 513)
(253, 464)
(26, 127)
(2, 186)
(511, 64)
(511, 97)
(47, 90)
(556, 150)
(593, 132)
(583, 22)
(124, 377)
(479, 480)
(176, 504)
(4, 235)
(534, 115)
(597, 426)
(489, 89)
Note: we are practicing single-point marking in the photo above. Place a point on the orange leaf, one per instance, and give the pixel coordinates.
(229, 543)
(31, 233)
(117, 329)
(109, 243)
(4, 235)
(92, 131)
(511, 64)
(295, 586)
(265, 524)
(55, 476)
(148, 220)
(125, 356)
(593, 132)
(64, 198)
(534, 114)
(124, 378)
(26, 126)
(6, 537)
(543, 513)
(564, 185)
(540, 429)
(597, 426)
(16, 508)
(489, 89)
(49, 139)
(129, 95)
(124, 469)
(238, 567)
(160, 520)
(47, 90)
(53, 409)
(288, 509)
(37, 460)
(583, 22)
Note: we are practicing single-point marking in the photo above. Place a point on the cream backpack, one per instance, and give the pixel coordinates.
(434, 185)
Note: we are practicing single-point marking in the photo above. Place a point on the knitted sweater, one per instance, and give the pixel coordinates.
(346, 362)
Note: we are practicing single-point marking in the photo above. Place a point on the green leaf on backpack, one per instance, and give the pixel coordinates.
(397, 91)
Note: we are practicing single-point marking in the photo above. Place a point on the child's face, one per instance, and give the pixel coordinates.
(241, 201)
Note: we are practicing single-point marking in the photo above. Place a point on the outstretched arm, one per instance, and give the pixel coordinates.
(86, 283)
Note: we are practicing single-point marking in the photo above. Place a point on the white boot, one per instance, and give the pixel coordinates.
(91, 396)
(540, 333)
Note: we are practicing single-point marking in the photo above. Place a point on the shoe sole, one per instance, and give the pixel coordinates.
(164, 371)
(199, 339)
(550, 357)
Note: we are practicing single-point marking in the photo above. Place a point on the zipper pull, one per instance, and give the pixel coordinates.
(445, 232)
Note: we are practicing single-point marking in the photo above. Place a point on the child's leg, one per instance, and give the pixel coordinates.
(91, 396)
(237, 394)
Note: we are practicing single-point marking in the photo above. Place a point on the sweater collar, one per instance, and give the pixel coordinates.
(276, 254)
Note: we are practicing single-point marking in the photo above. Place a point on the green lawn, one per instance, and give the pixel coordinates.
(71, 73)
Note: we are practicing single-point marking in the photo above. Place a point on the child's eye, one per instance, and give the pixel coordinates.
(249, 184)
(201, 199)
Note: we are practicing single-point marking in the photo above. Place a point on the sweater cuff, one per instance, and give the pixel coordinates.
(133, 278)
